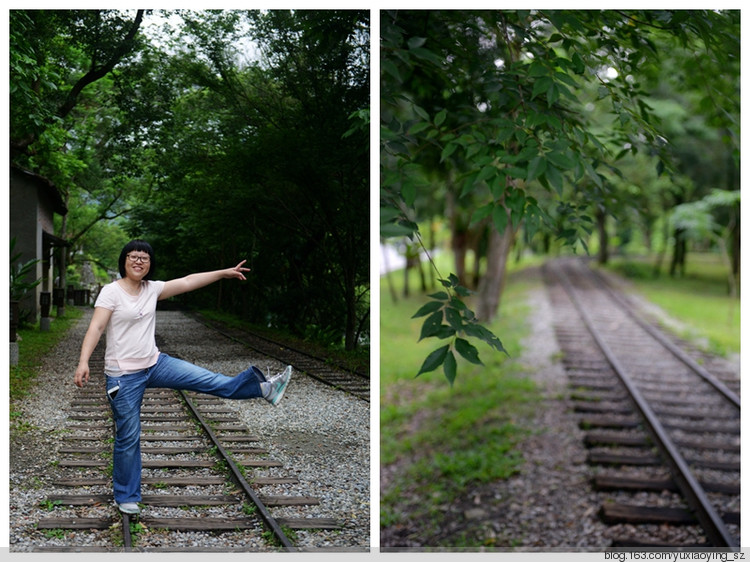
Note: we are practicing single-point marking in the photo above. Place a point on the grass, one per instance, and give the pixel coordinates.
(699, 299)
(33, 345)
(438, 441)
(447, 438)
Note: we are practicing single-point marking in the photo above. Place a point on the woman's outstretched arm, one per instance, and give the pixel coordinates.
(197, 280)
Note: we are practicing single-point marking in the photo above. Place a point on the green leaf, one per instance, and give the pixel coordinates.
(390, 68)
(486, 173)
(394, 230)
(468, 351)
(536, 69)
(553, 94)
(592, 172)
(450, 367)
(481, 213)
(554, 177)
(415, 42)
(429, 308)
(497, 185)
(463, 291)
(480, 332)
(434, 360)
(536, 168)
(578, 66)
(440, 117)
(421, 112)
(541, 86)
(457, 303)
(445, 332)
(409, 193)
(431, 325)
(441, 296)
(560, 160)
(517, 203)
(500, 218)
(453, 317)
(418, 127)
(427, 55)
(397, 148)
(449, 149)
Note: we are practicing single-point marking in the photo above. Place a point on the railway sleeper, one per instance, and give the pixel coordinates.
(619, 418)
(606, 458)
(619, 513)
(613, 439)
(579, 384)
(612, 421)
(646, 546)
(147, 480)
(608, 482)
(161, 500)
(595, 438)
(593, 397)
(602, 406)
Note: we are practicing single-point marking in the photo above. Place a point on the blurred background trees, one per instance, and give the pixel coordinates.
(519, 131)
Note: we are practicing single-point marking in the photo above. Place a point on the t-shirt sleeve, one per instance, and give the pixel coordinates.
(157, 287)
(106, 298)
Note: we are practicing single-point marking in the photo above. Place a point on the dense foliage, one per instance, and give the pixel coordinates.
(217, 136)
(516, 126)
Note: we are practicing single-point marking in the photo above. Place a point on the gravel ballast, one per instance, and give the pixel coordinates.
(320, 435)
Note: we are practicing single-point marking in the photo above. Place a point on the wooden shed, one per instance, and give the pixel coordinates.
(34, 200)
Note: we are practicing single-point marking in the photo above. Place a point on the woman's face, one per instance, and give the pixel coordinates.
(137, 265)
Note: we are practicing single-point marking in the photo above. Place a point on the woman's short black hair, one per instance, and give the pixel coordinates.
(137, 246)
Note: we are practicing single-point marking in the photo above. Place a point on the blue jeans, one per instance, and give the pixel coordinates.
(168, 372)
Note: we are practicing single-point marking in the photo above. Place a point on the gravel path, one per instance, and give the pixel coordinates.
(320, 435)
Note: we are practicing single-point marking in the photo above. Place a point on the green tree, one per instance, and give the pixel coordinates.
(265, 163)
(62, 64)
(500, 107)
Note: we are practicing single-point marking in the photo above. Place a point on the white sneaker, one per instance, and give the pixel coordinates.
(278, 385)
(131, 508)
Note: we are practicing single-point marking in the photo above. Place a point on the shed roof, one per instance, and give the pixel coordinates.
(48, 188)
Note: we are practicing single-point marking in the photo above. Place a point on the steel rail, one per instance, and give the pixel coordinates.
(662, 339)
(275, 354)
(127, 538)
(238, 477)
(710, 520)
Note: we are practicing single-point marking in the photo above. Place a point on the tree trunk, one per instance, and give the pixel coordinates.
(601, 224)
(492, 284)
(459, 238)
(350, 331)
(678, 254)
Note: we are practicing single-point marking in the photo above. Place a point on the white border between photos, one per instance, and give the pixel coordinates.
(375, 8)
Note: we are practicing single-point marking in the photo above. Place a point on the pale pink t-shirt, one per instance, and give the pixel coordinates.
(131, 345)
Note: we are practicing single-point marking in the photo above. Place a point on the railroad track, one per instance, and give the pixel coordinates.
(662, 431)
(323, 370)
(201, 466)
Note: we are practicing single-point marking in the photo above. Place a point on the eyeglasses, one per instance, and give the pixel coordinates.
(142, 259)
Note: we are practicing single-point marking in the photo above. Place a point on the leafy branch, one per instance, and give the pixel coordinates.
(447, 317)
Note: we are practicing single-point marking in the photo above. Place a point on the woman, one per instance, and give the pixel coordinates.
(126, 310)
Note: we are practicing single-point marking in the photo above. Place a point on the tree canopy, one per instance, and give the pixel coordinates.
(515, 125)
(217, 136)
